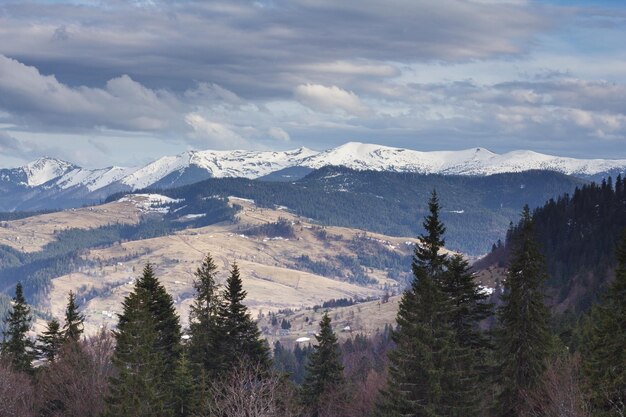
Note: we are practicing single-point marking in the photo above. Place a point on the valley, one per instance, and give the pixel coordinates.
(272, 269)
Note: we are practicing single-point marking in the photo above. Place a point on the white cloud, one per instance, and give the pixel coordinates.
(279, 134)
(205, 93)
(214, 134)
(330, 99)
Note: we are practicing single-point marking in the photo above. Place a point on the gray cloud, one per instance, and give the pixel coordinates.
(263, 47)
(10, 145)
(122, 104)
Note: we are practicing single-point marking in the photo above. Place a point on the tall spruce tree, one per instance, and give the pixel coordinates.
(138, 389)
(469, 304)
(17, 348)
(524, 339)
(147, 351)
(204, 321)
(468, 309)
(241, 338)
(604, 345)
(428, 254)
(185, 391)
(51, 340)
(423, 376)
(74, 321)
(167, 324)
(324, 371)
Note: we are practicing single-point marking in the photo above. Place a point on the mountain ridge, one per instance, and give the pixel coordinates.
(42, 183)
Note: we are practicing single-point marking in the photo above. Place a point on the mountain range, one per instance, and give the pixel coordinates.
(49, 183)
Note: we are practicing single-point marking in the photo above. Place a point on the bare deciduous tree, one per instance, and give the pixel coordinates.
(243, 393)
(16, 393)
(75, 385)
(560, 393)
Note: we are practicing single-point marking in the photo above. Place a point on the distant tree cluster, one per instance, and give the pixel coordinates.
(281, 228)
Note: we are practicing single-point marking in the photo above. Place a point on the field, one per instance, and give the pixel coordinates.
(33, 233)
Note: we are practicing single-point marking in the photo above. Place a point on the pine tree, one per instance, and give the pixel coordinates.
(423, 375)
(51, 340)
(147, 351)
(184, 389)
(138, 389)
(468, 309)
(167, 325)
(204, 321)
(428, 252)
(324, 371)
(604, 342)
(74, 321)
(469, 304)
(524, 340)
(17, 348)
(241, 338)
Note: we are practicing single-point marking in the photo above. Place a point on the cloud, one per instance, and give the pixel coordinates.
(10, 145)
(279, 134)
(261, 50)
(38, 99)
(425, 74)
(329, 99)
(214, 134)
(353, 68)
(206, 93)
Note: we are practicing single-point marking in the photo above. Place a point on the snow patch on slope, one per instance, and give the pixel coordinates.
(93, 179)
(150, 203)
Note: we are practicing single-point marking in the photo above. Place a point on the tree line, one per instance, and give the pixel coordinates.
(439, 360)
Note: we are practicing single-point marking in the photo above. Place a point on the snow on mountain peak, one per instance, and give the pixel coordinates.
(474, 161)
(45, 169)
(364, 156)
(196, 165)
(219, 164)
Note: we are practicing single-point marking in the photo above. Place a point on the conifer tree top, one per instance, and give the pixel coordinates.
(74, 321)
(427, 252)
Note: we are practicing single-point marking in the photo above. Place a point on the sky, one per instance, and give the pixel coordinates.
(116, 82)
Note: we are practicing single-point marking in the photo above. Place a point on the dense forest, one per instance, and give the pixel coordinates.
(439, 359)
(578, 234)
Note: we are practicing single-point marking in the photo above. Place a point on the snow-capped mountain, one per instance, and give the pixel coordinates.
(43, 170)
(476, 161)
(217, 164)
(52, 183)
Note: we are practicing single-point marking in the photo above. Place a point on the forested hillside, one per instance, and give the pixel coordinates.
(577, 233)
